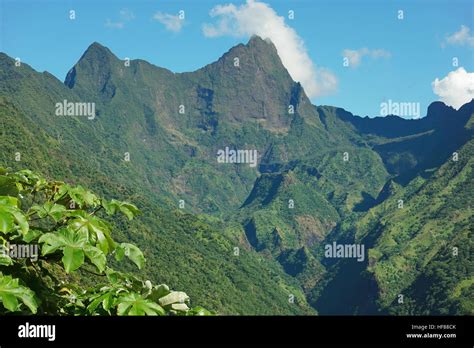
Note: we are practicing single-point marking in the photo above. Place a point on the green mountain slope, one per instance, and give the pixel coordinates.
(434, 220)
(408, 147)
(243, 239)
(180, 248)
(409, 232)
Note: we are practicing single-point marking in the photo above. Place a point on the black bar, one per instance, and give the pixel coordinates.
(222, 330)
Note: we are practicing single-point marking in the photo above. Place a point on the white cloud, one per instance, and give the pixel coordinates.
(258, 18)
(461, 37)
(125, 16)
(456, 89)
(114, 25)
(171, 22)
(355, 56)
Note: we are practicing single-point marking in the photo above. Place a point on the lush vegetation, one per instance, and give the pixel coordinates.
(426, 243)
(192, 252)
(245, 240)
(64, 224)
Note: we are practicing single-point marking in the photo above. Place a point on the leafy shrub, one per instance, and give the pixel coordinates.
(66, 223)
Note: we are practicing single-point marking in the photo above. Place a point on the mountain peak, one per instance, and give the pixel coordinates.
(256, 41)
(438, 111)
(256, 49)
(262, 47)
(438, 107)
(95, 61)
(96, 49)
(263, 88)
(97, 53)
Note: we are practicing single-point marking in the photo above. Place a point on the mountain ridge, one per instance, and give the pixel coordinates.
(320, 169)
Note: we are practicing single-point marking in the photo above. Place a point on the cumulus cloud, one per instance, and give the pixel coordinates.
(171, 22)
(355, 56)
(258, 18)
(463, 37)
(456, 89)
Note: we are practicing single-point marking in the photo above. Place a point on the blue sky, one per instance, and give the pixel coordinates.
(400, 57)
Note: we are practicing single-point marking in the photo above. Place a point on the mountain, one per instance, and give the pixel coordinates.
(409, 147)
(434, 223)
(322, 175)
(185, 250)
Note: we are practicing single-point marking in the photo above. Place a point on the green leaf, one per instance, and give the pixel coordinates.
(112, 276)
(78, 194)
(97, 230)
(105, 299)
(82, 196)
(11, 291)
(31, 235)
(55, 211)
(10, 302)
(27, 176)
(73, 258)
(61, 239)
(110, 207)
(10, 213)
(20, 219)
(72, 243)
(108, 302)
(96, 256)
(40, 211)
(103, 241)
(133, 253)
(5, 259)
(128, 209)
(6, 221)
(135, 304)
(7, 200)
(51, 243)
(119, 253)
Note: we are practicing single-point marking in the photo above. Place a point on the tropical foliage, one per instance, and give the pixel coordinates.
(68, 225)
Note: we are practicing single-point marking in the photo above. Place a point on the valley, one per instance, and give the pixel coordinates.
(314, 177)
